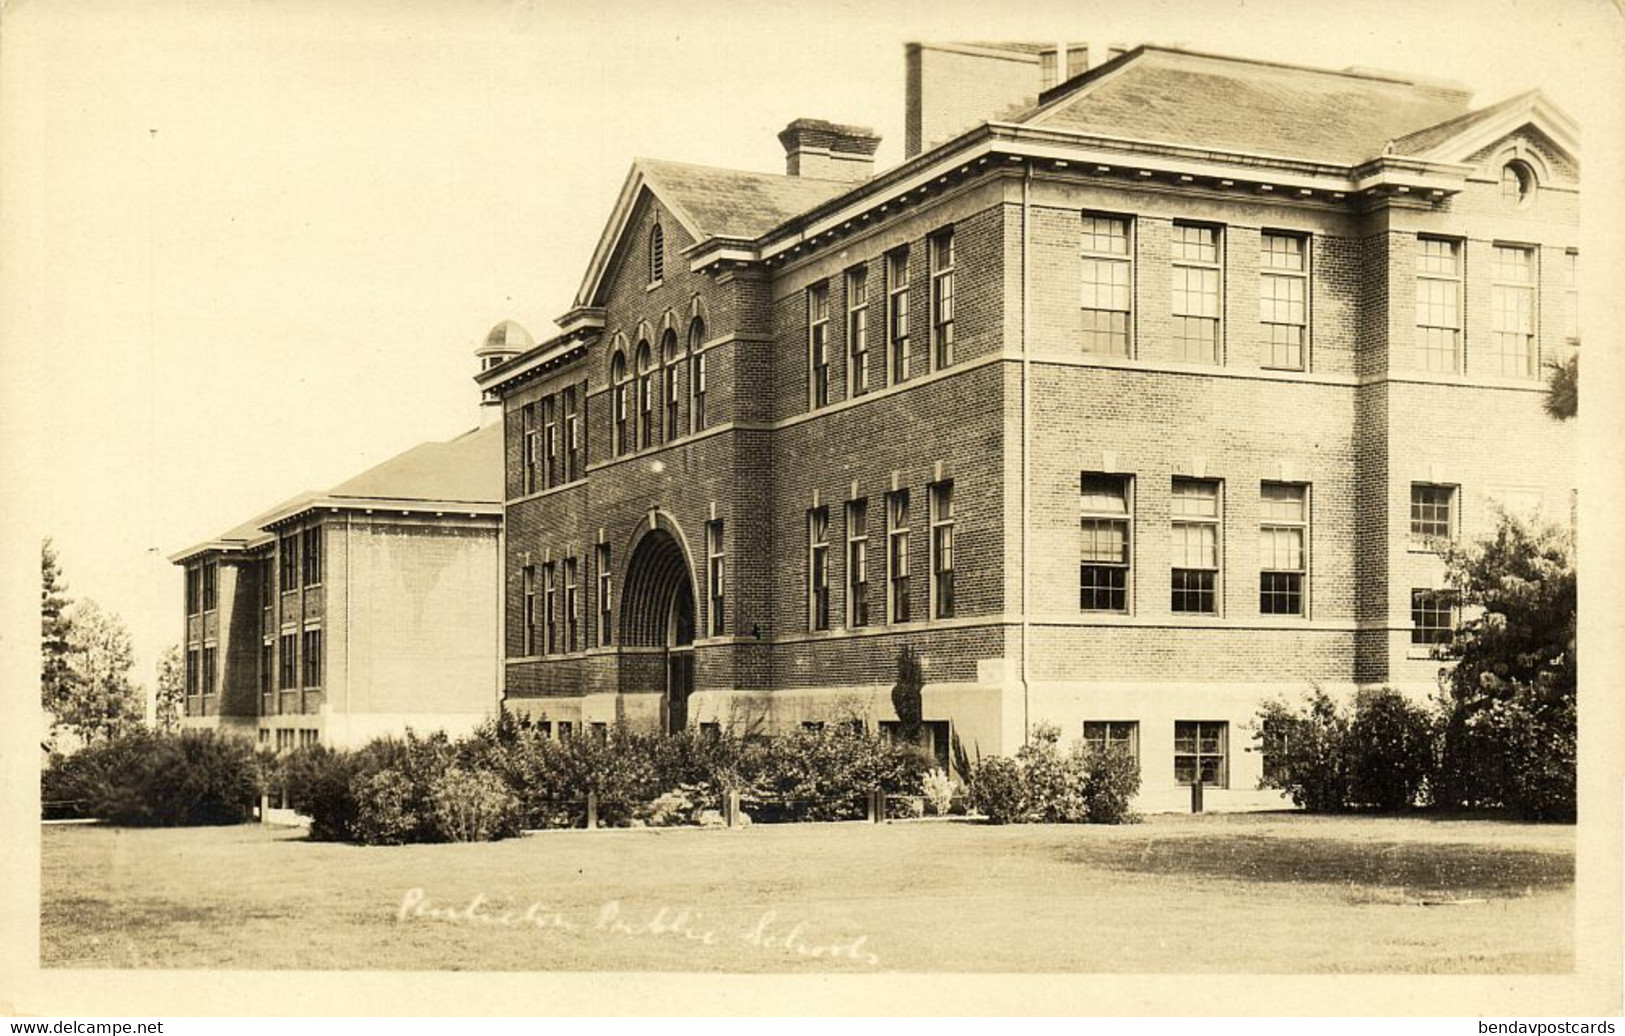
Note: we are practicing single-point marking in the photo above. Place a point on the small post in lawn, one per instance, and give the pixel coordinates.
(730, 807)
(592, 811)
(265, 808)
(1196, 795)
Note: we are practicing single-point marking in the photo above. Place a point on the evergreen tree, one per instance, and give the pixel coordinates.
(905, 694)
(56, 675)
(171, 693)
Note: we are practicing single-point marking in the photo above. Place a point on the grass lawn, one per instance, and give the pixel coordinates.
(1218, 893)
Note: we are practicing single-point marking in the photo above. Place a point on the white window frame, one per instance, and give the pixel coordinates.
(1274, 523)
(1186, 249)
(857, 561)
(1105, 269)
(897, 331)
(1090, 516)
(1183, 521)
(898, 587)
(1283, 298)
(818, 569)
(1438, 303)
(1514, 295)
(857, 330)
(941, 516)
(940, 246)
(818, 345)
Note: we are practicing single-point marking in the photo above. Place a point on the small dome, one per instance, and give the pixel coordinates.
(507, 337)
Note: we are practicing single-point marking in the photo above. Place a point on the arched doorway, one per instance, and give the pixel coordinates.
(657, 611)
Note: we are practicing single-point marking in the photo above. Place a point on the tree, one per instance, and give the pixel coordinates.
(102, 702)
(1563, 388)
(56, 675)
(1511, 699)
(905, 694)
(171, 693)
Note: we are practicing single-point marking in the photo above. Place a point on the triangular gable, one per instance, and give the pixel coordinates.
(1470, 135)
(610, 242)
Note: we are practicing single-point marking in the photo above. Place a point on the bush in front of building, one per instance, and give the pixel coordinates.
(1043, 784)
(1378, 753)
(148, 779)
(824, 773)
(473, 806)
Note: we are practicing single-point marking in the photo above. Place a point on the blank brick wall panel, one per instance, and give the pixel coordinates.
(239, 652)
(1213, 655)
(1338, 268)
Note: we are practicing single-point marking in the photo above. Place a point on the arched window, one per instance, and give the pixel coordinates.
(1517, 183)
(696, 376)
(668, 369)
(657, 255)
(617, 377)
(646, 402)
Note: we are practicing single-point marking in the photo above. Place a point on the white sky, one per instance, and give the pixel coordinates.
(283, 284)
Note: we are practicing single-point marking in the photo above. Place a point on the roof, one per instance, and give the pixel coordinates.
(717, 202)
(1234, 104)
(465, 472)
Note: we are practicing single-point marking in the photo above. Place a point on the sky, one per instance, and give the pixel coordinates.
(249, 246)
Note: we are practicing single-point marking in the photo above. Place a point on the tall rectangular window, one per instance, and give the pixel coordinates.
(1283, 548)
(1432, 511)
(818, 568)
(288, 671)
(1104, 556)
(1571, 296)
(572, 605)
(1283, 293)
(550, 441)
(1196, 268)
(1433, 616)
(1199, 753)
(606, 610)
(696, 392)
(622, 404)
(193, 671)
(673, 391)
(1512, 312)
(210, 657)
(267, 669)
(897, 556)
(716, 577)
(572, 435)
(211, 585)
(818, 344)
(897, 317)
(1113, 735)
(1108, 278)
(527, 589)
(288, 552)
(1195, 512)
(313, 658)
(857, 330)
(646, 399)
(550, 613)
(194, 590)
(313, 556)
(942, 299)
(942, 550)
(1438, 305)
(529, 451)
(267, 572)
(857, 563)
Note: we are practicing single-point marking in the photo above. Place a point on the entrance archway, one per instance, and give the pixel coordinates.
(657, 611)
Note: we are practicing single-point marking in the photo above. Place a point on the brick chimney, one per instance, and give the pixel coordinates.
(826, 151)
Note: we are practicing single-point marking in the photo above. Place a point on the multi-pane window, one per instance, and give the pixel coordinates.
(716, 577)
(1431, 507)
(528, 448)
(313, 658)
(897, 556)
(192, 671)
(897, 316)
(1283, 535)
(572, 606)
(605, 606)
(550, 612)
(194, 590)
(211, 585)
(284, 740)
(1195, 252)
(818, 568)
(1283, 293)
(1103, 568)
(1195, 512)
(572, 435)
(1516, 182)
(1108, 276)
(857, 563)
(288, 670)
(942, 550)
(696, 377)
(527, 585)
(668, 369)
(1571, 296)
(267, 666)
(857, 330)
(1113, 735)
(313, 556)
(657, 254)
(942, 299)
(1199, 753)
(267, 582)
(309, 737)
(288, 555)
(1438, 304)
(623, 399)
(1433, 616)
(818, 344)
(209, 656)
(550, 441)
(1512, 311)
(646, 397)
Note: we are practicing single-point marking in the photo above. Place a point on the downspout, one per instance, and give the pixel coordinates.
(1026, 468)
(349, 628)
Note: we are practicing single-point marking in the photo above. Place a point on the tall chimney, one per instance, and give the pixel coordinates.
(827, 151)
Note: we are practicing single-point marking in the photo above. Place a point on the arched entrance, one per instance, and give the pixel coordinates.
(657, 611)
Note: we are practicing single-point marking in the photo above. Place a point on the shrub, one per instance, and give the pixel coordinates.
(385, 810)
(939, 791)
(824, 774)
(318, 781)
(1306, 751)
(473, 806)
(1052, 781)
(144, 779)
(1329, 759)
(998, 791)
(1111, 779)
(1044, 785)
(1391, 749)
